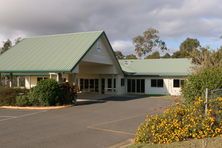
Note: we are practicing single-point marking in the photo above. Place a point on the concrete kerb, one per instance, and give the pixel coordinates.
(35, 107)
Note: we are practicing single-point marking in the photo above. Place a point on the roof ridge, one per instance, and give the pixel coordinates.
(63, 34)
(154, 59)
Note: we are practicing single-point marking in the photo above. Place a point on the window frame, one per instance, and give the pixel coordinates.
(157, 83)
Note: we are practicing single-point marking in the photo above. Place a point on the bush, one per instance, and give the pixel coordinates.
(182, 122)
(46, 93)
(197, 83)
(8, 95)
(23, 101)
(68, 94)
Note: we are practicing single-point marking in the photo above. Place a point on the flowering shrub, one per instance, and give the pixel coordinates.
(182, 122)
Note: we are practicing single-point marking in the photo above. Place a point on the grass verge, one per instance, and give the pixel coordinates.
(205, 143)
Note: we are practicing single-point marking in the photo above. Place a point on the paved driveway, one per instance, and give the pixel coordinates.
(99, 124)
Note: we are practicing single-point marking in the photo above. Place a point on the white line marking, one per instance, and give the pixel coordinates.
(7, 116)
(112, 131)
(113, 121)
(25, 115)
(95, 126)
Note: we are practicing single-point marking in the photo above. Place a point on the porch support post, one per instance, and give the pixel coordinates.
(70, 79)
(112, 84)
(18, 81)
(10, 80)
(59, 78)
(30, 83)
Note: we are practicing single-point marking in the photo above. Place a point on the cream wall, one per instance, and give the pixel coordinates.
(167, 88)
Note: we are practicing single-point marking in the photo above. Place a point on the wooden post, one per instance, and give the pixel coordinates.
(206, 101)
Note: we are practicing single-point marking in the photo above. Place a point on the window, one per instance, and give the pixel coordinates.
(129, 85)
(122, 82)
(81, 84)
(39, 79)
(96, 85)
(136, 85)
(177, 83)
(133, 85)
(156, 82)
(86, 83)
(109, 83)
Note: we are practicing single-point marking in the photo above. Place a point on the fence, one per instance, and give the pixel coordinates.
(211, 94)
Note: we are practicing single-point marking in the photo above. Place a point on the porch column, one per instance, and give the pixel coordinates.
(18, 81)
(100, 85)
(112, 84)
(59, 78)
(10, 80)
(30, 83)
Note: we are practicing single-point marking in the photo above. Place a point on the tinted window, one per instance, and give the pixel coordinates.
(153, 83)
(176, 83)
(160, 83)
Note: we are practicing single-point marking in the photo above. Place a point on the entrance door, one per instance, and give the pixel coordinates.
(103, 85)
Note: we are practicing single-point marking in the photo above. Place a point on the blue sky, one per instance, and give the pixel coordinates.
(121, 20)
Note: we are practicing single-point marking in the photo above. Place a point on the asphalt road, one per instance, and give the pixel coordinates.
(98, 124)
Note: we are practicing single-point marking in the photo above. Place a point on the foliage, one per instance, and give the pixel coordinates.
(181, 122)
(6, 46)
(46, 93)
(196, 83)
(189, 45)
(68, 94)
(23, 100)
(206, 58)
(146, 42)
(167, 55)
(131, 56)
(119, 55)
(8, 95)
(187, 48)
(154, 55)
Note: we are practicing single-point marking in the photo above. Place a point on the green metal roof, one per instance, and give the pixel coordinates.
(157, 67)
(52, 53)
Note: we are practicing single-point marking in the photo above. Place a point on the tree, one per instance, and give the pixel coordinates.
(167, 55)
(131, 56)
(17, 40)
(119, 55)
(145, 43)
(6, 45)
(154, 55)
(187, 47)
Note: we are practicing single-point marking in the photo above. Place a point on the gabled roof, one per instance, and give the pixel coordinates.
(52, 53)
(157, 67)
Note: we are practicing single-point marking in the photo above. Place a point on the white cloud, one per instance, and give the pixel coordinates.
(125, 47)
(122, 20)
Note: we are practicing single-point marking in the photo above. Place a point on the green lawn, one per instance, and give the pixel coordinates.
(197, 143)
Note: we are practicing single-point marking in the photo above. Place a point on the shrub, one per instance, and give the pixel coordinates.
(8, 95)
(67, 94)
(182, 122)
(46, 93)
(23, 101)
(197, 83)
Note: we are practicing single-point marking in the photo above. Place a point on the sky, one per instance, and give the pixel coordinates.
(122, 20)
